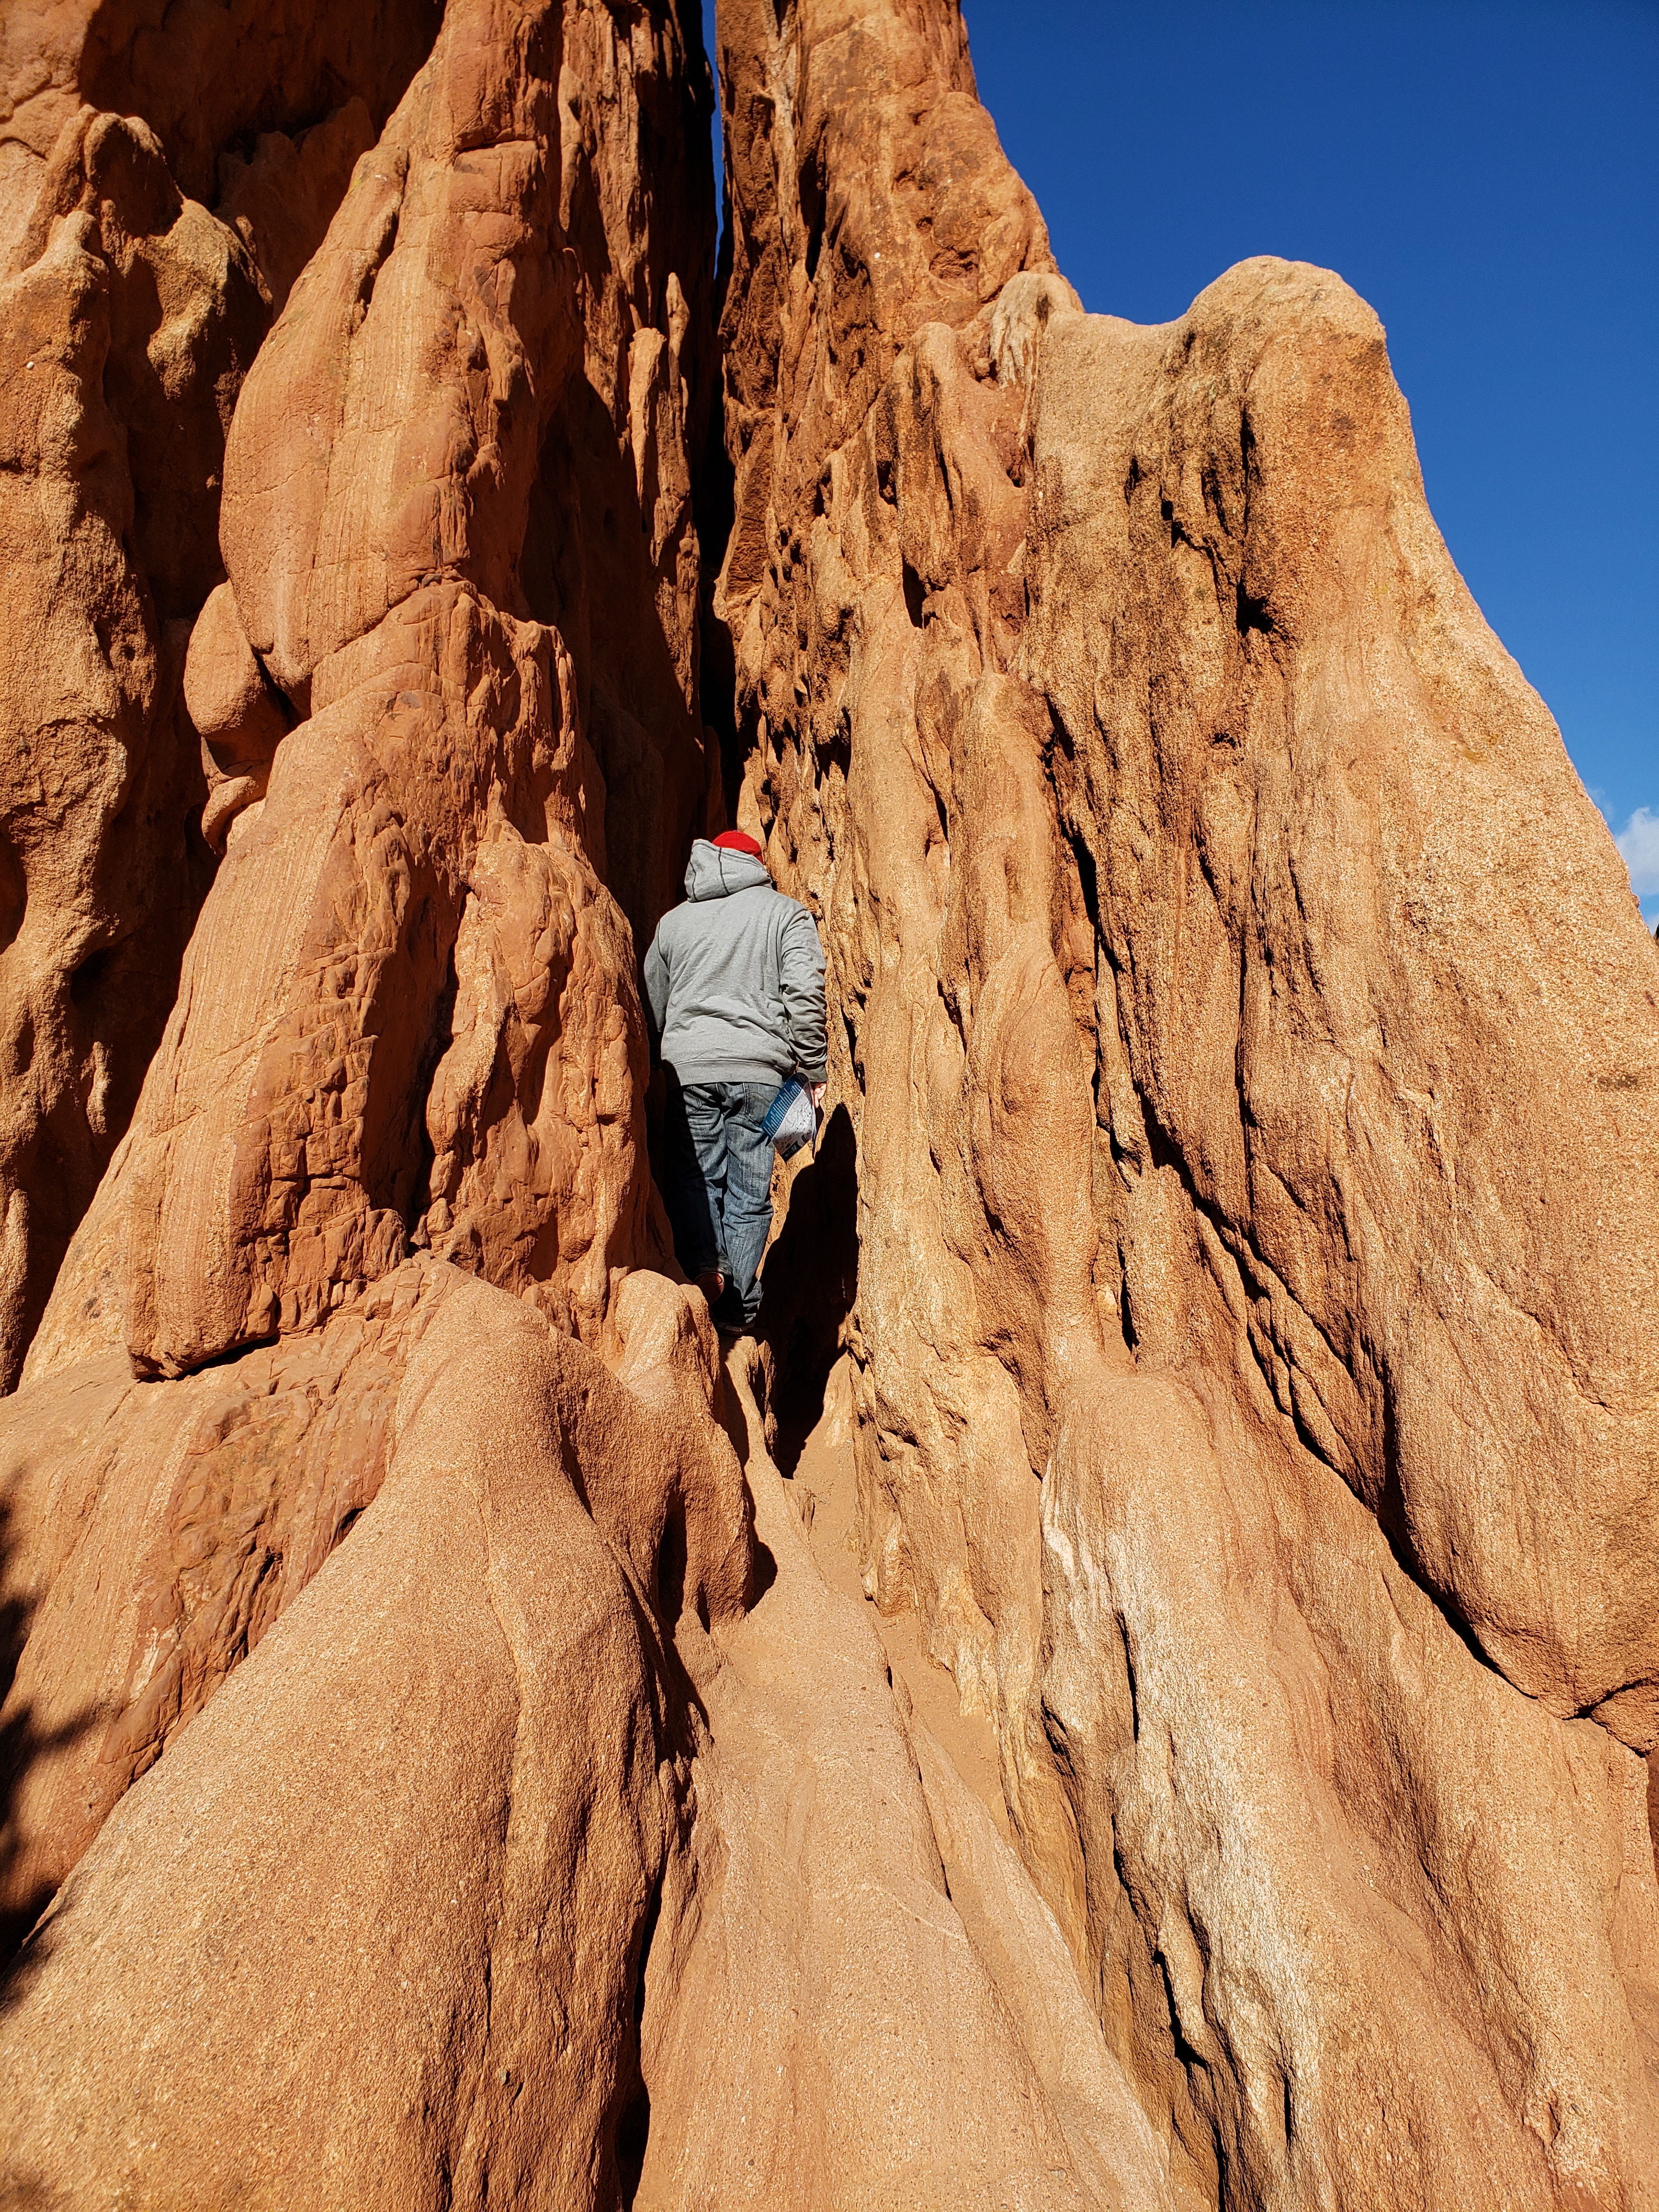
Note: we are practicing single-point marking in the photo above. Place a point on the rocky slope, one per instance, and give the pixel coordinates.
(447, 1770)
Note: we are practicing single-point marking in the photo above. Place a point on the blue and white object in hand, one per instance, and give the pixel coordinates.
(791, 1120)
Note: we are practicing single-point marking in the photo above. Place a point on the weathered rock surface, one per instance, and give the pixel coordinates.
(129, 315)
(125, 333)
(450, 1774)
(408, 1007)
(154, 1534)
(213, 83)
(515, 1774)
(446, 1774)
(462, 591)
(1255, 1068)
(854, 1997)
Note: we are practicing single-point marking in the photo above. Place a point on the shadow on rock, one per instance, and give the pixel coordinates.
(810, 1279)
(22, 1740)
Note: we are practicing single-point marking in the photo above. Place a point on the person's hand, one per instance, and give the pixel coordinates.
(817, 1089)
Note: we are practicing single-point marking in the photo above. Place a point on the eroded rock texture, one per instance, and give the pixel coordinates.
(129, 315)
(260, 85)
(1254, 1058)
(459, 1759)
(377, 1558)
(434, 1768)
(407, 1018)
(448, 690)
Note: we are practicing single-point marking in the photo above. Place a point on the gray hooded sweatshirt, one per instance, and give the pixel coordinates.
(734, 978)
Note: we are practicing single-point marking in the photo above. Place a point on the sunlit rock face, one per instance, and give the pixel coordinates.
(445, 696)
(163, 176)
(433, 655)
(1254, 1057)
(442, 1760)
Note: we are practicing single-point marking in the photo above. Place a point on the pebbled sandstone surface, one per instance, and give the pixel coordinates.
(1140, 1689)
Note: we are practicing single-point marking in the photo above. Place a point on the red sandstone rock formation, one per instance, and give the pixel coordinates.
(129, 315)
(456, 1761)
(1255, 1065)
(260, 85)
(409, 1010)
(447, 1772)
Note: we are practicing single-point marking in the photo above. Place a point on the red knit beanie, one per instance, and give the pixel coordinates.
(739, 840)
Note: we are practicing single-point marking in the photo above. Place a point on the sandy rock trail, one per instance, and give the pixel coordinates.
(859, 1999)
(823, 1490)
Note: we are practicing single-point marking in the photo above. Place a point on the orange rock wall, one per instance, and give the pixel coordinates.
(1254, 1053)
(445, 697)
(129, 315)
(463, 566)
(451, 1774)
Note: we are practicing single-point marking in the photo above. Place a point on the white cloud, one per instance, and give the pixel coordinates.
(1638, 841)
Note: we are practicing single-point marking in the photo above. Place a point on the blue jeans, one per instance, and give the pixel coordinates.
(719, 1164)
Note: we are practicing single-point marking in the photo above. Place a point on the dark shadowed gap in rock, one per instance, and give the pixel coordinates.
(915, 597)
(1129, 1676)
(85, 981)
(811, 1273)
(851, 1034)
(811, 190)
(22, 1740)
(14, 893)
(413, 1036)
(713, 483)
(711, 511)
(1395, 1524)
(633, 2126)
(671, 1572)
(1088, 878)
(584, 569)
(765, 1574)
(147, 1371)
(836, 750)
(809, 1282)
(1253, 613)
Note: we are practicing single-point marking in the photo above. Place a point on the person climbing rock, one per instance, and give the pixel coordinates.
(734, 999)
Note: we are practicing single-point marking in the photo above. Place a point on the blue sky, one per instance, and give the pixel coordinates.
(1487, 173)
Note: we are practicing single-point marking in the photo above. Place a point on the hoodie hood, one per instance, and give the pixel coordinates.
(714, 870)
